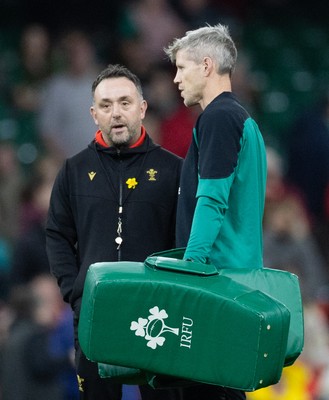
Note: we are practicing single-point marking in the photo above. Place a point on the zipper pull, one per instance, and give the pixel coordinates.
(118, 239)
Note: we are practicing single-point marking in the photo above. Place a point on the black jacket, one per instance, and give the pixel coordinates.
(91, 192)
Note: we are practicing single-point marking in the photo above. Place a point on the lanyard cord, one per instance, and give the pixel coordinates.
(118, 240)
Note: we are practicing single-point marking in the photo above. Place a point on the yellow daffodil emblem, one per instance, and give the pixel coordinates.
(131, 183)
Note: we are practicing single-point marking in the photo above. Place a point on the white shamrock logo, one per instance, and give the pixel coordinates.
(153, 327)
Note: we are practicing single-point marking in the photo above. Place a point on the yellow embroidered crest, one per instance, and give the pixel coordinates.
(131, 183)
(151, 173)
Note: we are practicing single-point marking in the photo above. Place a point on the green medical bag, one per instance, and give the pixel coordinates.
(182, 320)
(281, 285)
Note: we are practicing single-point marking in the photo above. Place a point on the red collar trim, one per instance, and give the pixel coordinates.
(99, 139)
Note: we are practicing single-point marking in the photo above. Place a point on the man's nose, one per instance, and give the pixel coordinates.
(176, 79)
(116, 110)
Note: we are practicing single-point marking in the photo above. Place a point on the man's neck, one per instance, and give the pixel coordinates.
(215, 86)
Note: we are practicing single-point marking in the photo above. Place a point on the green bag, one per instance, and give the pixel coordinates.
(281, 285)
(177, 321)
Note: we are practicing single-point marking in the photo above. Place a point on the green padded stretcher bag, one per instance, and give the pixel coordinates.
(281, 285)
(184, 320)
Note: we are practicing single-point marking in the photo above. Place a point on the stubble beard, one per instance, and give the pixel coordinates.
(123, 140)
(120, 140)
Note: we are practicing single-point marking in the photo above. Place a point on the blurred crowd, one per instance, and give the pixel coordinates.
(45, 96)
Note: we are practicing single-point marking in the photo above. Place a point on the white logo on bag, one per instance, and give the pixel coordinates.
(153, 327)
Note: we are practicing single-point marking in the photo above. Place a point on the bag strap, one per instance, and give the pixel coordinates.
(177, 265)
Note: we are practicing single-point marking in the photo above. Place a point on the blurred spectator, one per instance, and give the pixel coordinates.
(34, 199)
(307, 378)
(245, 84)
(65, 122)
(155, 23)
(289, 245)
(11, 181)
(160, 91)
(176, 129)
(26, 257)
(34, 65)
(61, 343)
(6, 320)
(28, 253)
(308, 165)
(308, 155)
(278, 191)
(152, 123)
(288, 240)
(323, 231)
(29, 257)
(29, 261)
(30, 369)
(132, 54)
(316, 346)
(5, 264)
(197, 13)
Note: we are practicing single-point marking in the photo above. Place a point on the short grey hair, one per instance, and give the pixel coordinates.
(209, 41)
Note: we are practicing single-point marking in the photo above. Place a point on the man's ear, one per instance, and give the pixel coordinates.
(208, 65)
(93, 114)
(144, 106)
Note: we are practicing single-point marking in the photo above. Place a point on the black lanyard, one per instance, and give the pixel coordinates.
(118, 240)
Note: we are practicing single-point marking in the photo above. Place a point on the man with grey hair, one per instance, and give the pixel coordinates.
(222, 188)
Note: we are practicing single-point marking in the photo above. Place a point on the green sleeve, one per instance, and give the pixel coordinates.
(212, 203)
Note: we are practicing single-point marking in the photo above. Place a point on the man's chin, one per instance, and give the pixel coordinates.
(119, 139)
(189, 103)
